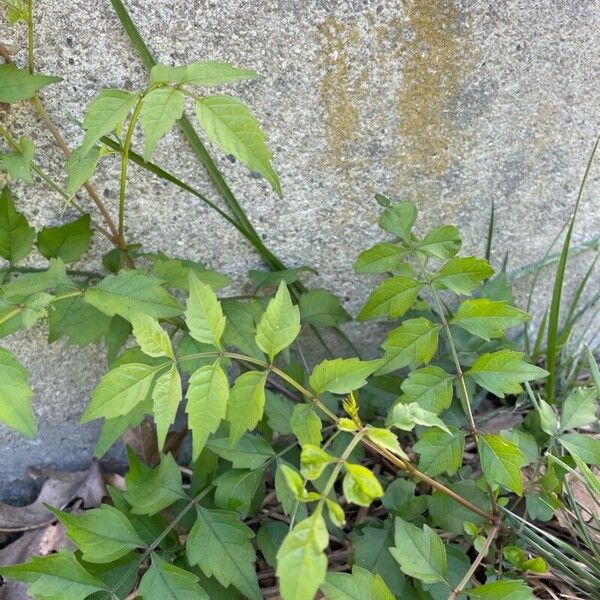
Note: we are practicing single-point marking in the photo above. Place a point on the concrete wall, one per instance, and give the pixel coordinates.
(450, 103)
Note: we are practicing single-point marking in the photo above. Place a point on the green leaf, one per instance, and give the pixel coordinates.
(501, 462)
(220, 545)
(392, 298)
(430, 388)
(236, 488)
(240, 330)
(360, 585)
(55, 576)
(487, 318)
(164, 580)
(19, 84)
(262, 279)
(406, 416)
(207, 396)
(279, 325)
(420, 553)
(16, 237)
(504, 589)
(67, 242)
(167, 397)
(204, 315)
(151, 490)
(322, 309)
(251, 452)
(15, 395)
(120, 391)
(34, 283)
(102, 534)
(81, 166)
(289, 491)
(151, 337)
(306, 425)
(105, 113)
(206, 73)
(246, 404)
(440, 451)
(379, 259)
(161, 109)
(398, 219)
(174, 272)
(579, 409)
(130, 293)
(18, 164)
(360, 485)
(413, 343)
(313, 461)
(584, 446)
(442, 242)
(301, 561)
(229, 124)
(341, 375)
(385, 439)
(463, 274)
(501, 372)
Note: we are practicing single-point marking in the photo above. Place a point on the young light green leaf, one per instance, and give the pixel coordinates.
(164, 580)
(15, 395)
(502, 372)
(19, 84)
(398, 219)
(392, 298)
(420, 553)
(18, 163)
(385, 439)
(130, 293)
(102, 534)
(322, 309)
(504, 589)
(430, 388)
(441, 451)
(246, 404)
(151, 337)
(81, 166)
(406, 416)
(341, 375)
(442, 242)
(313, 461)
(67, 242)
(306, 425)
(166, 396)
(360, 485)
(207, 396)
(57, 575)
(204, 315)
(579, 409)
(487, 318)
(220, 545)
(293, 480)
(501, 462)
(301, 561)
(16, 237)
(120, 391)
(279, 325)
(413, 343)
(229, 124)
(161, 109)
(463, 274)
(105, 113)
(379, 259)
(360, 585)
(151, 490)
(586, 447)
(206, 73)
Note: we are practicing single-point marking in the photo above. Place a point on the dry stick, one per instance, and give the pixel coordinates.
(483, 552)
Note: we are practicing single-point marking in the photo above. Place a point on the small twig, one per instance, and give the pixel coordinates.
(482, 554)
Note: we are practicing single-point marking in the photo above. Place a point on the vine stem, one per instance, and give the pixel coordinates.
(395, 460)
(482, 554)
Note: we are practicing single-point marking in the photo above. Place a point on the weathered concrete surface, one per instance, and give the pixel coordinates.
(453, 104)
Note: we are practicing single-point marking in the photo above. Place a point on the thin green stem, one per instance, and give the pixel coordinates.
(31, 48)
(124, 164)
